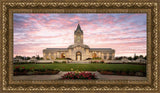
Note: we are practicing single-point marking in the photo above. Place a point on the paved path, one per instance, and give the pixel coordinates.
(58, 76)
(79, 62)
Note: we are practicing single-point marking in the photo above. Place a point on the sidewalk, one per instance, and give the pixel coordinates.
(58, 76)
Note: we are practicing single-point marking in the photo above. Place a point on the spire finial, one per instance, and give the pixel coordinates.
(78, 28)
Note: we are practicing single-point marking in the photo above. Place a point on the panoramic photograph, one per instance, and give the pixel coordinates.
(84, 46)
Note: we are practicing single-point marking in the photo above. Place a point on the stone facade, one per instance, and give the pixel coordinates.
(78, 51)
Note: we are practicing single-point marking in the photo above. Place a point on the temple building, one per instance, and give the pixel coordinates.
(78, 51)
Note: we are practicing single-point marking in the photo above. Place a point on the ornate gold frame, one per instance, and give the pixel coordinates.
(8, 7)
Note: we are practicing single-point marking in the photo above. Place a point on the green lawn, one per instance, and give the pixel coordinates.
(85, 67)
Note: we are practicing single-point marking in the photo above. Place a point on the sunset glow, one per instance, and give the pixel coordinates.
(126, 33)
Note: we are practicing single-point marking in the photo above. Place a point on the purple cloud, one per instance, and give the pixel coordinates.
(126, 33)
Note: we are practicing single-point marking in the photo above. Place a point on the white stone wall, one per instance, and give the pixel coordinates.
(85, 52)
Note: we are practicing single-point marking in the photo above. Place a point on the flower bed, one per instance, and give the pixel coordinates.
(47, 72)
(97, 61)
(79, 75)
(126, 73)
(32, 71)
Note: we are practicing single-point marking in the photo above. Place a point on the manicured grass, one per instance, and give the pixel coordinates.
(85, 67)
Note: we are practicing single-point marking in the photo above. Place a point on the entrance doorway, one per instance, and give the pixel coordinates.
(78, 56)
(62, 55)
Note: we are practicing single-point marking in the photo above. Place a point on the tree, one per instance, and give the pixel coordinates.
(28, 58)
(37, 57)
(20, 57)
(145, 57)
(135, 57)
(41, 58)
(141, 56)
(130, 58)
(118, 58)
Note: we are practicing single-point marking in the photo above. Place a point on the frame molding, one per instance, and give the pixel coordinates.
(10, 7)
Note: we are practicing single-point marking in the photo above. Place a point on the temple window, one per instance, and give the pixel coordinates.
(105, 57)
(62, 55)
(94, 55)
(110, 58)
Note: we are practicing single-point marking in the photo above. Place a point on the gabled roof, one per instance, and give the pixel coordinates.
(55, 49)
(102, 49)
(73, 46)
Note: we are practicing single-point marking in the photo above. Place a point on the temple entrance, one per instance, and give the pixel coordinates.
(78, 56)
(62, 55)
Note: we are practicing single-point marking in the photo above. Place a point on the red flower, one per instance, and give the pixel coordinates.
(82, 75)
(23, 67)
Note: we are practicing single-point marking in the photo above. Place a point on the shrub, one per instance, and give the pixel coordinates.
(97, 62)
(24, 63)
(93, 61)
(63, 61)
(56, 62)
(49, 69)
(101, 61)
(60, 58)
(17, 70)
(42, 70)
(88, 58)
(96, 58)
(36, 69)
(31, 69)
(68, 58)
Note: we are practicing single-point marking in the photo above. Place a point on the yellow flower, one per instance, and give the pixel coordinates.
(71, 69)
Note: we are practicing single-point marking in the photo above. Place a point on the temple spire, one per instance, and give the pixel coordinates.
(78, 35)
(78, 27)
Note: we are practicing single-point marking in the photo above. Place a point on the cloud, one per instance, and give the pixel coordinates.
(126, 33)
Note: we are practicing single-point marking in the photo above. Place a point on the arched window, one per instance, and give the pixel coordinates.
(62, 55)
(52, 57)
(94, 55)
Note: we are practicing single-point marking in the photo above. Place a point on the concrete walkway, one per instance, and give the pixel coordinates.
(79, 62)
(58, 76)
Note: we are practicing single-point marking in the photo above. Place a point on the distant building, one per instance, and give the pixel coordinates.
(78, 51)
(125, 60)
(33, 59)
(16, 60)
(141, 60)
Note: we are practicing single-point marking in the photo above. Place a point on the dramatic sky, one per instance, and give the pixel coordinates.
(126, 33)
